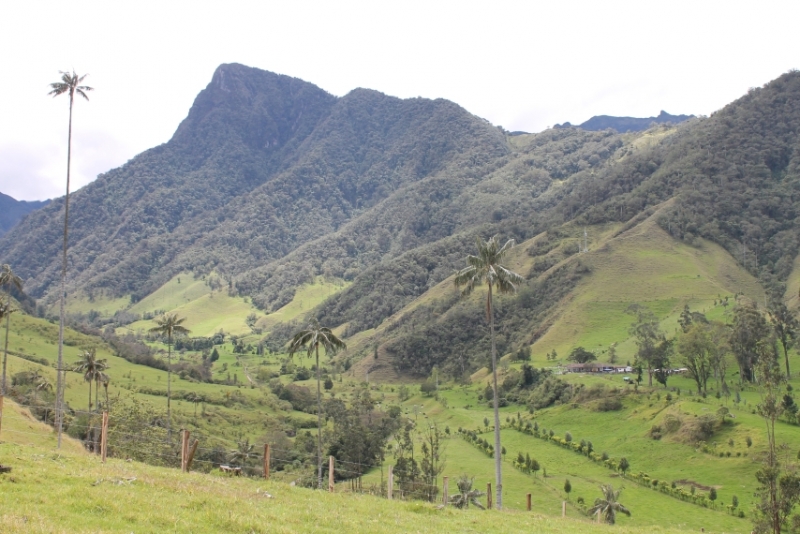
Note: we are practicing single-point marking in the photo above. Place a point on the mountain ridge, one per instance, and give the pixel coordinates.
(626, 124)
(13, 210)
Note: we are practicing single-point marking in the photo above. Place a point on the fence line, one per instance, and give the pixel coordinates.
(107, 440)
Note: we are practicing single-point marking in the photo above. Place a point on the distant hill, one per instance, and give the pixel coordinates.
(12, 210)
(627, 124)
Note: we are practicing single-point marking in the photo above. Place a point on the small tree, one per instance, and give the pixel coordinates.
(624, 465)
(785, 325)
(779, 484)
(608, 505)
(581, 355)
(567, 487)
(466, 495)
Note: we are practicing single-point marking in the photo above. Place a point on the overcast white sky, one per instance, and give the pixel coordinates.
(525, 65)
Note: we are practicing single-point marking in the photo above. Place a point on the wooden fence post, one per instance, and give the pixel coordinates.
(104, 438)
(390, 483)
(563, 508)
(184, 449)
(598, 516)
(191, 455)
(330, 473)
(528, 499)
(445, 490)
(489, 496)
(266, 461)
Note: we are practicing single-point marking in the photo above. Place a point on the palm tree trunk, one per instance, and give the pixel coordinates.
(5, 350)
(785, 355)
(319, 426)
(90, 395)
(169, 386)
(60, 377)
(498, 476)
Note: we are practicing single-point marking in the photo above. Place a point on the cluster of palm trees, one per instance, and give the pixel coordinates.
(93, 371)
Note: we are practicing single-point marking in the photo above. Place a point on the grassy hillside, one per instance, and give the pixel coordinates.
(71, 491)
(643, 265)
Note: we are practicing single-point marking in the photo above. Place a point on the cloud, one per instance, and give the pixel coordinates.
(38, 171)
(24, 172)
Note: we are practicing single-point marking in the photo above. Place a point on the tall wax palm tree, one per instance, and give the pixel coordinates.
(169, 325)
(70, 84)
(196, 399)
(608, 505)
(485, 268)
(241, 454)
(106, 381)
(100, 378)
(92, 369)
(5, 311)
(43, 384)
(7, 280)
(311, 339)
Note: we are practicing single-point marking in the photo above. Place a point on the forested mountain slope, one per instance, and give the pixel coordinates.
(262, 164)
(730, 179)
(270, 182)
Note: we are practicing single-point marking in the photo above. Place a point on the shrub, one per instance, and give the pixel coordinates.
(612, 404)
(655, 432)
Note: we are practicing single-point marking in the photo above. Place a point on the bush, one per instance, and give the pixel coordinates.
(608, 405)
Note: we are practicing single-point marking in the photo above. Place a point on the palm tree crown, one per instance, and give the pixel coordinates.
(70, 84)
(485, 268)
(168, 325)
(608, 504)
(311, 339)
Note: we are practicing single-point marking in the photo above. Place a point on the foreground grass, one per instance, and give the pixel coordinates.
(71, 491)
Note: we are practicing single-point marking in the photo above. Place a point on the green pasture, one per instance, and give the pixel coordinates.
(71, 491)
